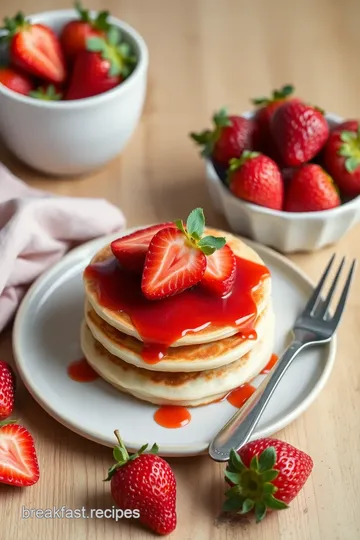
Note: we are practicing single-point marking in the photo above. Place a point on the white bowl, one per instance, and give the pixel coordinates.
(287, 232)
(75, 137)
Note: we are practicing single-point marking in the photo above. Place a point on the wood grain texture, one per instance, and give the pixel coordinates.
(205, 54)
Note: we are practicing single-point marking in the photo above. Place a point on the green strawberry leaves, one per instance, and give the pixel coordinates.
(47, 94)
(13, 25)
(122, 457)
(350, 149)
(283, 93)
(252, 486)
(99, 23)
(114, 49)
(208, 138)
(194, 230)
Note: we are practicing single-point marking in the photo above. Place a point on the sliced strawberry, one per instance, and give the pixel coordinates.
(172, 265)
(220, 271)
(131, 250)
(176, 258)
(36, 49)
(18, 460)
(7, 390)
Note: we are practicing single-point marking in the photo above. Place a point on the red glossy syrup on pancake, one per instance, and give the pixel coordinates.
(240, 395)
(162, 322)
(274, 358)
(80, 371)
(172, 416)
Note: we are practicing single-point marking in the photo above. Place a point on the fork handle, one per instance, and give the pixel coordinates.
(240, 427)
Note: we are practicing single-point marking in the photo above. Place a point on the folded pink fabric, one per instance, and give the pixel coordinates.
(37, 229)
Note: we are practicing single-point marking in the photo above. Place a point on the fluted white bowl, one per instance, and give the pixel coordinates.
(287, 232)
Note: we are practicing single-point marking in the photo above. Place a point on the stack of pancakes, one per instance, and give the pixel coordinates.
(199, 368)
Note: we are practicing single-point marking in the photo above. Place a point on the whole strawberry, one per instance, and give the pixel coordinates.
(229, 138)
(299, 131)
(257, 179)
(342, 157)
(265, 474)
(146, 483)
(311, 189)
(7, 390)
(266, 107)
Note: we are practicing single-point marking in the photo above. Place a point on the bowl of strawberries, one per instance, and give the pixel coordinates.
(72, 88)
(285, 174)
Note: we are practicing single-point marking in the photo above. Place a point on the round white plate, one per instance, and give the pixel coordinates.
(46, 340)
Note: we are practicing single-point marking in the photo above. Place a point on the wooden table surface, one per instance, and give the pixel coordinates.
(205, 54)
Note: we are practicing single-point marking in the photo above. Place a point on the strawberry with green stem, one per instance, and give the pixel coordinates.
(342, 157)
(257, 179)
(146, 483)
(102, 66)
(75, 33)
(177, 257)
(230, 136)
(265, 109)
(265, 474)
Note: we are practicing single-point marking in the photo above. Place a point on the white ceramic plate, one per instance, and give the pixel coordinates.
(46, 340)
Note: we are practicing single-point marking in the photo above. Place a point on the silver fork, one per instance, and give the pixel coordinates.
(313, 326)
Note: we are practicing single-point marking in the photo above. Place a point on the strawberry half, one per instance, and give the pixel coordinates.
(35, 48)
(176, 258)
(7, 390)
(131, 250)
(220, 271)
(18, 460)
(265, 474)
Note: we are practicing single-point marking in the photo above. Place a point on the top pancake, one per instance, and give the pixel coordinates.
(122, 321)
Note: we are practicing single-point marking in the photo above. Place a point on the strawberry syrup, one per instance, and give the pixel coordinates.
(274, 358)
(162, 322)
(172, 416)
(80, 371)
(240, 395)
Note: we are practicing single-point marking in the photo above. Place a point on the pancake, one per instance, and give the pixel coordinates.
(185, 358)
(122, 321)
(187, 389)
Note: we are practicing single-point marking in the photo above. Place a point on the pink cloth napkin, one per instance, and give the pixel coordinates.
(37, 229)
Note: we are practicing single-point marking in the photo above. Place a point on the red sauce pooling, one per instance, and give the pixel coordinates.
(240, 395)
(274, 358)
(80, 371)
(162, 322)
(171, 416)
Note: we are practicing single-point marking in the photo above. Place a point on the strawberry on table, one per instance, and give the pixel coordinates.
(75, 33)
(299, 131)
(257, 179)
(176, 258)
(18, 460)
(265, 474)
(231, 135)
(102, 66)
(144, 482)
(220, 271)
(15, 80)
(7, 390)
(266, 107)
(342, 157)
(311, 189)
(35, 48)
(130, 250)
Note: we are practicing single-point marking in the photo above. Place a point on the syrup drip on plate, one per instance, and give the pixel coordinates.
(274, 358)
(81, 371)
(172, 416)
